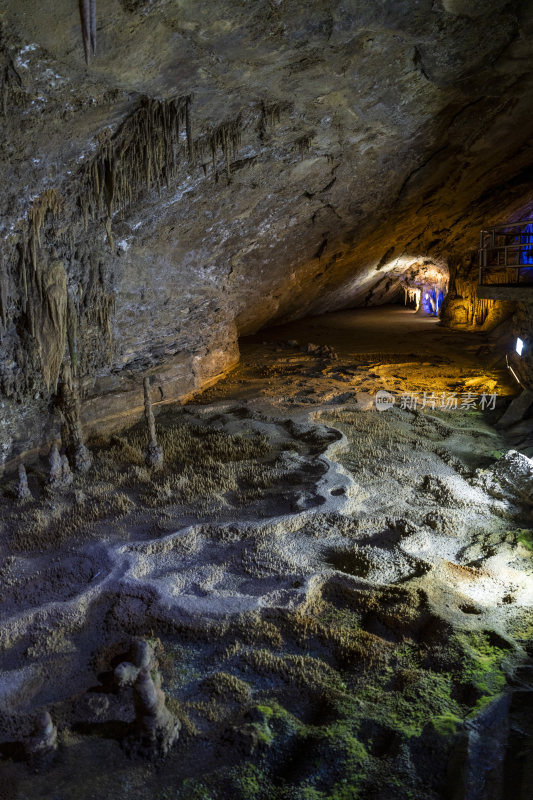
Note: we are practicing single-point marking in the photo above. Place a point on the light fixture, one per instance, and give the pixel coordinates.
(519, 346)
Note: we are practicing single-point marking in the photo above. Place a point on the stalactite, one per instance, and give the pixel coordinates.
(4, 90)
(303, 144)
(49, 200)
(141, 155)
(21, 264)
(92, 6)
(63, 299)
(4, 290)
(88, 27)
(109, 232)
(270, 114)
(226, 137)
(100, 313)
(477, 309)
(72, 334)
(188, 128)
(52, 331)
(11, 88)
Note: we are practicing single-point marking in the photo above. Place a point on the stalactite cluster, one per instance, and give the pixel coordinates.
(56, 294)
(225, 137)
(47, 294)
(270, 114)
(413, 295)
(56, 273)
(43, 287)
(477, 310)
(142, 154)
(48, 202)
(303, 143)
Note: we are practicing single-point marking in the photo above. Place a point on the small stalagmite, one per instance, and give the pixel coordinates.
(154, 453)
(43, 741)
(143, 657)
(60, 475)
(156, 729)
(23, 490)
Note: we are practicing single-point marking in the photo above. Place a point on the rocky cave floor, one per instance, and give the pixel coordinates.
(335, 598)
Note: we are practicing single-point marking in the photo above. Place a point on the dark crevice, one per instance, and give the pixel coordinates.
(419, 169)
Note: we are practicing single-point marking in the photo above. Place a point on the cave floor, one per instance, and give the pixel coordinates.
(386, 348)
(339, 599)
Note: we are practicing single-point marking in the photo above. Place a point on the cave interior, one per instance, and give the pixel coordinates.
(266, 400)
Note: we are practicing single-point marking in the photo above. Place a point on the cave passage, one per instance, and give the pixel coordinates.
(266, 400)
(335, 356)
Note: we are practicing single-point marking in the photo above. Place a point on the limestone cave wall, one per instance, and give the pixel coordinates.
(217, 167)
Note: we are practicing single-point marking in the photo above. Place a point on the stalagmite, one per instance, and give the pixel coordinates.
(60, 474)
(156, 729)
(142, 657)
(154, 453)
(23, 489)
(43, 741)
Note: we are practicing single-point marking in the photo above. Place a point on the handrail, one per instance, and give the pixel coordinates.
(507, 225)
(511, 247)
(507, 247)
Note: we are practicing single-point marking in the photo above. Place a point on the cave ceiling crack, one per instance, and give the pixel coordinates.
(418, 169)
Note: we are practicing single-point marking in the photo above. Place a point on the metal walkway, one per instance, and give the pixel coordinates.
(506, 262)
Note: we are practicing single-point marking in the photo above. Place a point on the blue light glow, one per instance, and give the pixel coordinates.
(526, 237)
(519, 346)
(432, 301)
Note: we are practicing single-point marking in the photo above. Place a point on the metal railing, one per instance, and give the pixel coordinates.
(506, 254)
